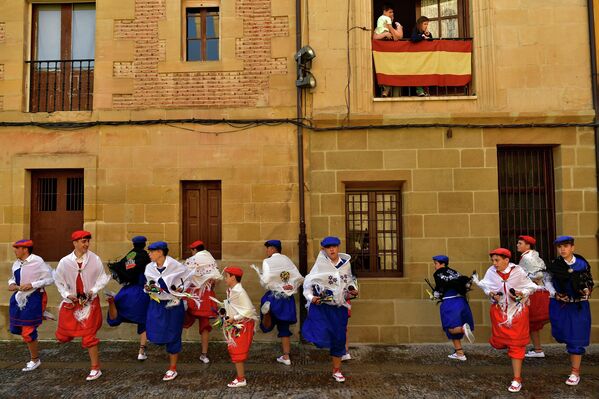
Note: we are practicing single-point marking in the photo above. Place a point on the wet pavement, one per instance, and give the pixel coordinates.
(411, 371)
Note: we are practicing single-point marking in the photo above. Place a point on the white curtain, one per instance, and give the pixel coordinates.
(48, 33)
(84, 29)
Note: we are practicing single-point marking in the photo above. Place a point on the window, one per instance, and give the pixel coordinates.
(56, 210)
(202, 33)
(202, 211)
(448, 18)
(526, 199)
(373, 228)
(62, 51)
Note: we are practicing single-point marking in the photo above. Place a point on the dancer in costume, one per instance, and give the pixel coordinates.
(538, 310)
(206, 274)
(30, 274)
(238, 321)
(281, 278)
(456, 317)
(130, 305)
(79, 277)
(166, 282)
(569, 311)
(509, 287)
(327, 288)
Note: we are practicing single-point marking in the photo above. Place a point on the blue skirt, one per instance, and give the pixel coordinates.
(164, 325)
(282, 309)
(454, 313)
(570, 323)
(326, 327)
(132, 304)
(31, 315)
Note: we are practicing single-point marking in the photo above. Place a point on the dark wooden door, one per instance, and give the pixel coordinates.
(202, 216)
(56, 210)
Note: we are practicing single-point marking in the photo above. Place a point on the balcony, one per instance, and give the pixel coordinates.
(436, 68)
(61, 85)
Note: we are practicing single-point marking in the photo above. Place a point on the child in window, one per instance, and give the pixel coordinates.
(385, 31)
(420, 33)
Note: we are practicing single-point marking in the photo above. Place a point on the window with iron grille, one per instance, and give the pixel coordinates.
(373, 228)
(526, 197)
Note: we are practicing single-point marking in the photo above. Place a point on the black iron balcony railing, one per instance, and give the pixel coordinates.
(61, 85)
(440, 67)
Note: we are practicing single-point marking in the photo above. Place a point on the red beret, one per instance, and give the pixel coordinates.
(23, 243)
(235, 271)
(79, 234)
(501, 251)
(195, 244)
(528, 239)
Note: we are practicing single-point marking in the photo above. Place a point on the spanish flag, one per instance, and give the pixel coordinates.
(426, 63)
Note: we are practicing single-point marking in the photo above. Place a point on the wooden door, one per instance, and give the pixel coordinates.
(202, 212)
(56, 210)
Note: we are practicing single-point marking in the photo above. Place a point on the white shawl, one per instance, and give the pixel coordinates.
(175, 274)
(325, 276)
(279, 275)
(34, 271)
(92, 275)
(205, 269)
(518, 280)
(532, 264)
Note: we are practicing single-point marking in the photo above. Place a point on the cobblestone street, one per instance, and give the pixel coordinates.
(414, 371)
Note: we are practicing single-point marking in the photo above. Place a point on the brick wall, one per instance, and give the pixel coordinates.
(246, 87)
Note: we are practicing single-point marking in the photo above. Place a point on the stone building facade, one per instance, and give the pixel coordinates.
(445, 179)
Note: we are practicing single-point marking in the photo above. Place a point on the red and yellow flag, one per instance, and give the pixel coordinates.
(426, 63)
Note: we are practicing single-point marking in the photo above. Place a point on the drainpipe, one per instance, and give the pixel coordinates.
(302, 239)
(594, 82)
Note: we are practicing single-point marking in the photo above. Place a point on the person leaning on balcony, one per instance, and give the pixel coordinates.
(419, 34)
(385, 31)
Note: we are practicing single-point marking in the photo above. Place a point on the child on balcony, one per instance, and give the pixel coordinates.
(420, 33)
(385, 31)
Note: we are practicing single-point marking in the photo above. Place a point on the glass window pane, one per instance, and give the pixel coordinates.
(449, 8)
(194, 25)
(449, 28)
(48, 33)
(194, 52)
(212, 50)
(84, 31)
(433, 28)
(212, 28)
(429, 8)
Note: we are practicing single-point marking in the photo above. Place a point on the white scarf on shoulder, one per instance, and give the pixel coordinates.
(205, 270)
(176, 275)
(34, 271)
(325, 276)
(92, 275)
(279, 275)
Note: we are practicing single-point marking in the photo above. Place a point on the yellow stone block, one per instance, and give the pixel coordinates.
(420, 249)
(394, 335)
(416, 203)
(438, 158)
(352, 140)
(161, 213)
(432, 180)
(272, 193)
(405, 139)
(470, 158)
(459, 202)
(446, 225)
(484, 225)
(366, 313)
(475, 179)
(413, 226)
(400, 159)
(354, 160)
(469, 249)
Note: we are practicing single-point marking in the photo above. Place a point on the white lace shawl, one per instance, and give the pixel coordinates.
(279, 275)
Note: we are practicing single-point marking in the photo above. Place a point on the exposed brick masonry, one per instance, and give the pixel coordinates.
(168, 90)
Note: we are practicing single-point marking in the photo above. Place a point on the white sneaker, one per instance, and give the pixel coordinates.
(48, 316)
(204, 359)
(142, 356)
(170, 375)
(93, 375)
(338, 376)
(468, 333)
(32, 365)
(346, 357)
(286, 362)
(236, 383)
(457, 357)
(265, 308)
(515, 386)
(532, 353)
(573, 379)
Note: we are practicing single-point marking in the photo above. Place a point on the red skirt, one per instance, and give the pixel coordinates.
(69, 326)
(539, 310)
(240, 351)
(515, 335)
